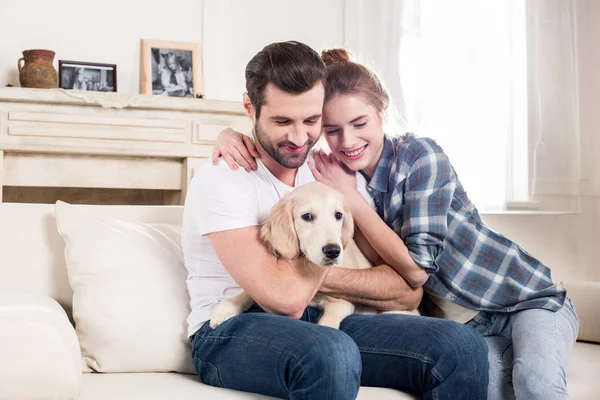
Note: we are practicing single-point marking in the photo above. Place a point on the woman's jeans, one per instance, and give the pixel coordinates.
(529, 351)
(298, 359)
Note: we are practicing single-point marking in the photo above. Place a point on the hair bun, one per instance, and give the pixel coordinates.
(335, 56)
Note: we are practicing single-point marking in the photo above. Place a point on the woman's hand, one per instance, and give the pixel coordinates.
(330, 171)
(235, 148)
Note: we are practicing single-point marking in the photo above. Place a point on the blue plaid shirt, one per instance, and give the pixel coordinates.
(419, 196)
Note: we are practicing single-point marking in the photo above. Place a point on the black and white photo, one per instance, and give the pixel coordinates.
(172, 72)
(171, 68)
(91, 77)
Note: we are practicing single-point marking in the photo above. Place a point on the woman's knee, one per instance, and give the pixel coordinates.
(535, 381)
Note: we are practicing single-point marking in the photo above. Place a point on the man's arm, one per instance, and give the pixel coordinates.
(282, 287)
(380, 287)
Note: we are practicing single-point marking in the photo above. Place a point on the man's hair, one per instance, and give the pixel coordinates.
(291, 66)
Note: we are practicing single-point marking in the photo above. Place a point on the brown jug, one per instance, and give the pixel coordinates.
(37, 70)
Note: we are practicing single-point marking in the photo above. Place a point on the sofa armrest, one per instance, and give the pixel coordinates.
(586, 298)
(40, 356)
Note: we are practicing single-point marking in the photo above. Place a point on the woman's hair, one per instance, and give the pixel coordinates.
(345, 75)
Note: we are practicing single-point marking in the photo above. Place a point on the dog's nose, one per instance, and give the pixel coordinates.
(331, 251)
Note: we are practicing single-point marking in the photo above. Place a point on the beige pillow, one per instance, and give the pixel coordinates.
(130, 301)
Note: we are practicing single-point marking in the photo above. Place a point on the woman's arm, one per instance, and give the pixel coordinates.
(366, 248)
(427, 190)
(385, 242)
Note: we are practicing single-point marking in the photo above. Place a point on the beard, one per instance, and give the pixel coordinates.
(278, 153)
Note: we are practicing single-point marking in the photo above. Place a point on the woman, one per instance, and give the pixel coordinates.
(428, 230)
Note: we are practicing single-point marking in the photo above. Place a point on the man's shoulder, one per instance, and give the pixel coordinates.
(220, 178)
(221, 173)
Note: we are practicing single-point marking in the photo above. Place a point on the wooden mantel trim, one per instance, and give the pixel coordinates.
(119, 100)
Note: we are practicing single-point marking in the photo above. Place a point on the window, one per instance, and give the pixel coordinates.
(463, 73)
(494, 82)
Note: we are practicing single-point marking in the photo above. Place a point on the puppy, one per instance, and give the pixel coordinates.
(312, 222)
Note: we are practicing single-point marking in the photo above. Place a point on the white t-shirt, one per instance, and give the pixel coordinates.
(220, 199)
(448, 310)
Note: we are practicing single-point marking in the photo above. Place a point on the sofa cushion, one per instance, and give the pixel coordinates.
(37, 345)
(583, 372)
(130, 301)
(187, 387)
(586, 298)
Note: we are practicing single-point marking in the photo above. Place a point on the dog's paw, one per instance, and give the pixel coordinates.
(330, 321)
(223, 312)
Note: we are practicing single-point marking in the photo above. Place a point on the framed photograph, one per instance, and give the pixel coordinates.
(171, 68)
(91, 77)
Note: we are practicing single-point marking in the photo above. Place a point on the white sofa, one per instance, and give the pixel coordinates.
(121, 279)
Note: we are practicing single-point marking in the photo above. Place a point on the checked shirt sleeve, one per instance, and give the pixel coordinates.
(428, 192)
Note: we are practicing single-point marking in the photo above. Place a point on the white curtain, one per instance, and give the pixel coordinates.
(481, 78)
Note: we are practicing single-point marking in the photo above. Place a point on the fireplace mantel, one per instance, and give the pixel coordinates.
(105, 148)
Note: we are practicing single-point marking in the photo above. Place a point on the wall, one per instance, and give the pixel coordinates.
(104, 32)
(588, 31)
(569, 243)
(234, 30)
(230, 31)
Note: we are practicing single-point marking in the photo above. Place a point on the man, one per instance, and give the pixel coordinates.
(276, 348)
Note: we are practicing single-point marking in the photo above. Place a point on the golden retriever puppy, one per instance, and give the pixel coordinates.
(313, 222)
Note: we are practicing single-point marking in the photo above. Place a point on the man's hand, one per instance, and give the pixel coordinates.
(380, 287)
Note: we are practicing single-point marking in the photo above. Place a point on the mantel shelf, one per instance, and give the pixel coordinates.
(119, 100)
(101, 147)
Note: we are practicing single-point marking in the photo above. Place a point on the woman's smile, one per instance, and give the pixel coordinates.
(354, 154)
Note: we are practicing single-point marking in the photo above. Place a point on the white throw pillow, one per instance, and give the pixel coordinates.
(130, 301)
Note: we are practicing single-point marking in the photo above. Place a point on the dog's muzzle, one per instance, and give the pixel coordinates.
(331, 251)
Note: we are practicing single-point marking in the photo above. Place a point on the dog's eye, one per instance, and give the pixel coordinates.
(307, 217)
(338, 215)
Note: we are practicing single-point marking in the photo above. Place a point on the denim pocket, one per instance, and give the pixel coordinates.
(207, 372)
(482, 322)
(205, 329)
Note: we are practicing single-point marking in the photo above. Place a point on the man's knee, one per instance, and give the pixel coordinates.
(465, 342)
(335, 352)
(464, 355)
(330, 368)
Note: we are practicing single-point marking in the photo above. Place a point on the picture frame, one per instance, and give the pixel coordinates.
(171, 69)
(87, 76)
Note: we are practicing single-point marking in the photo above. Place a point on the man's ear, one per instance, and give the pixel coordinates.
(249, 108)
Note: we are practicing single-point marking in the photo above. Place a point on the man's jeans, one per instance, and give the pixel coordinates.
(529, 351)
(297, 359)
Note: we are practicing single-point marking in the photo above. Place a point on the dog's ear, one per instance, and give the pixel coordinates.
(347, 226)
(278, 232)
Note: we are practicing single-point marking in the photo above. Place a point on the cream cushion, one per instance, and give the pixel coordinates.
(39, 353)
(187, 387)
(130, 301)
